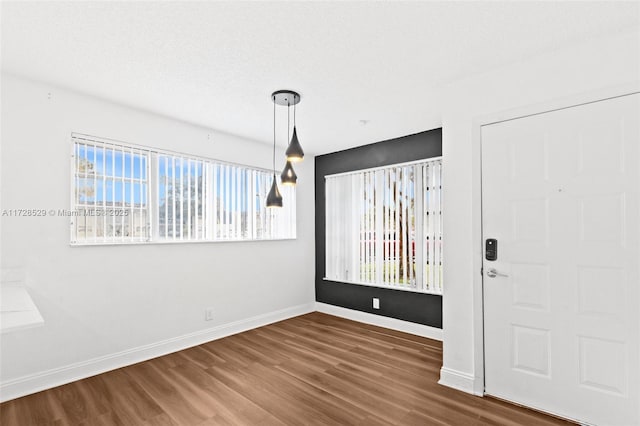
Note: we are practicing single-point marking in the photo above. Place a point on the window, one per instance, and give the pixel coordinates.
(129, 194)
(182, 198)
(111, 193)
(384, 226)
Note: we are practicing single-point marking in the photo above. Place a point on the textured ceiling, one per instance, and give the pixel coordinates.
(216, 63)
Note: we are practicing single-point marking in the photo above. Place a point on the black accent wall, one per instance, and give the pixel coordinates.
(409, 306)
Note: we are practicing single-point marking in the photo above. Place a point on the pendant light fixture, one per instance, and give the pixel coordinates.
(294, 151)
(288, 176)
(274, 199)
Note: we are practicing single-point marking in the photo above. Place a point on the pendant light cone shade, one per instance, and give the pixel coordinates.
(294, 151)
(288, 176)
(274, 199)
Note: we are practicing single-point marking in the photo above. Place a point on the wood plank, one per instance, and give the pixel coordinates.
(312, 369)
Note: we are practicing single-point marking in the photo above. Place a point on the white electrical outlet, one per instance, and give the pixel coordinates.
(376, 303)
(208, 314)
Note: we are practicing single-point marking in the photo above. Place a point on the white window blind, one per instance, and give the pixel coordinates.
(384, 226)
(432, 226)
(182, 197)
(239, 210)
(145, 195)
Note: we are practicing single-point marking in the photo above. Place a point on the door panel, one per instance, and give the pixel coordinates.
(560, 193)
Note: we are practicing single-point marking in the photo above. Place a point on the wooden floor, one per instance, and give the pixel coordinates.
(313, 369)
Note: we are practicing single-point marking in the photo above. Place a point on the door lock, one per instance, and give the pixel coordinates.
(491, 249)
(492, 273)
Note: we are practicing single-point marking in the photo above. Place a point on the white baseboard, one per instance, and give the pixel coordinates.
(381, 321)
(460, 381)
(37, 382)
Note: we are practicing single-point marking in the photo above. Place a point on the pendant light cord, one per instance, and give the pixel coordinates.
(294, 112)
(288, 120)
(274, 137)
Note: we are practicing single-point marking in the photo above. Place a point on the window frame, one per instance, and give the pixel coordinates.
(288, 225)
(421, 256)
(114, 147)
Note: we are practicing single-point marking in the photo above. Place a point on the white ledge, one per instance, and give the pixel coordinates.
(17, 310)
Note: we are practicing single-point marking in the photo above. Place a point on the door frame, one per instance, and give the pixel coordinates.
(477, 123)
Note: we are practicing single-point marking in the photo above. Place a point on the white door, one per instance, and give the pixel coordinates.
(560, 195)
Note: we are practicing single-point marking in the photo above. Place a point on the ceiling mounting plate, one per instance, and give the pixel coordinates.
(285, 97)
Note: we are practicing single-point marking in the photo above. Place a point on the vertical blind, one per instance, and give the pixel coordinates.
(182, 197)
(384, 226)
(130, 194)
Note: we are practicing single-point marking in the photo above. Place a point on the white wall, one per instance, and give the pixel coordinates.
(102, 304)
(605, 65)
